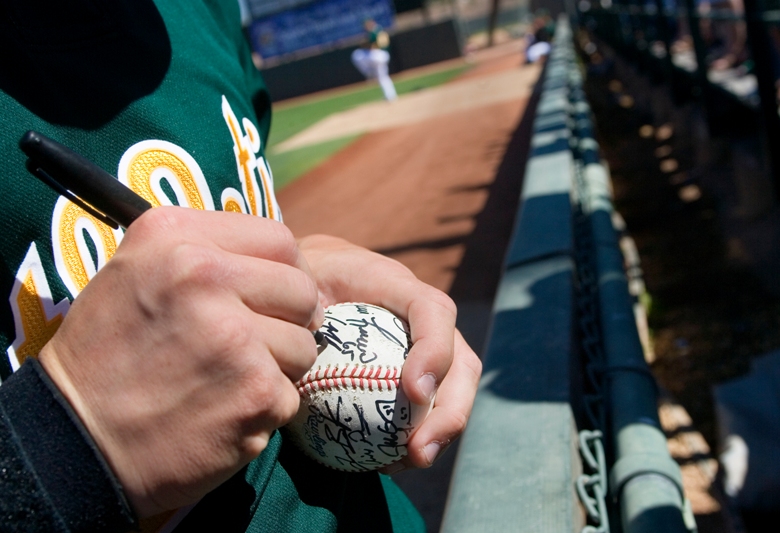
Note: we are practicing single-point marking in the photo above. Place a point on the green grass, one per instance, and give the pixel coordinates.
(289, 165)
(287, 121)
(292, 119)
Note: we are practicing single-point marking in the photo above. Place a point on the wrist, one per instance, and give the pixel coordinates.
(60, 378)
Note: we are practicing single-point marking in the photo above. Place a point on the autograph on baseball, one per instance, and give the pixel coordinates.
(353, 414)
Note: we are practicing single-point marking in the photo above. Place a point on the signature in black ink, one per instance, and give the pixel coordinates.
(393, 427)
(334, 329)
(330, 331)
(339, 429)
(361, 345)
(364, 325)
(364, 463)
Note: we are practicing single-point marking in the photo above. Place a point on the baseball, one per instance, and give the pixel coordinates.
(353, 414)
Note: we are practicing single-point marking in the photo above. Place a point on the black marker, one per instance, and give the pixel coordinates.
(81, 181)
(87, 185)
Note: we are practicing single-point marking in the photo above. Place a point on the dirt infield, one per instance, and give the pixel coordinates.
(418, 192)
(414, 191)
(440, 196)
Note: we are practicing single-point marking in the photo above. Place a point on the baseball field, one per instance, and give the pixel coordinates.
(293, 117)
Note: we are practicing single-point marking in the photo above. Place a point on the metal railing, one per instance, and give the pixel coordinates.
(565, 435)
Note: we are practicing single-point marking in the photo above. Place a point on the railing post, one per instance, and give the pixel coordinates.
(698, 46)
(663, 34)
(760, 49)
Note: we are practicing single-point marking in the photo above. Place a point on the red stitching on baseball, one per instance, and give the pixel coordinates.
(349, 376)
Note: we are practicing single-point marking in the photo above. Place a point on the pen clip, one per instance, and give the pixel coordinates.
(42, 175)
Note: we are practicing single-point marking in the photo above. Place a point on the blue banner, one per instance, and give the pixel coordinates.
(262, 8)
(316, 24)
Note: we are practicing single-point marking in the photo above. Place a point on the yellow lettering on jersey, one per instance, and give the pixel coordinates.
(246, 146)
(268, 182)
(70, 228)
(232, 201)
(145, 165)
(36, 317)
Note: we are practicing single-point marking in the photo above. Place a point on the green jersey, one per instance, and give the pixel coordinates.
(378, 38)
(165, 96)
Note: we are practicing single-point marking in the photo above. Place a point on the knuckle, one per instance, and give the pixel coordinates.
(254, 445)
(310, 296)
(285, 244)
(233, 335)
(284, 233)
(193, 265)
(402, 273)
(268, 388)
(474, 366)
(394, 263)
(433, 299)
(298, 280)
(275, 402)
(290, 408)
(311, 290)
(437, 349)
(303, 296)
(218, 347)
(456, 422)
(441, 299)
(160, 221)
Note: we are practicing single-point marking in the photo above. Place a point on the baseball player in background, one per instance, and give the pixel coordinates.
(372, 61)
(145, 372)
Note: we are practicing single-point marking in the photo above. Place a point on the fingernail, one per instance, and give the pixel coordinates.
(427, 385)
(394, 468)
(431, 451)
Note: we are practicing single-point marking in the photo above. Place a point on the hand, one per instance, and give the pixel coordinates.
(181, 354)
(440, 362)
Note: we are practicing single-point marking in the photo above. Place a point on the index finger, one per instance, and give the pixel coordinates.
(236, 233)
(233, 232)
(431, 316)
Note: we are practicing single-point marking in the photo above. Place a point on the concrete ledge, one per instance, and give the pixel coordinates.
(491, 492)
(518, 460)
(531, 345)
(543, 226)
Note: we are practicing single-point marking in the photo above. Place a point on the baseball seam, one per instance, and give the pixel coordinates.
(370, 378)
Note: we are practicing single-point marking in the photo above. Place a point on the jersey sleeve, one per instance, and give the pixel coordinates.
(52, 474)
